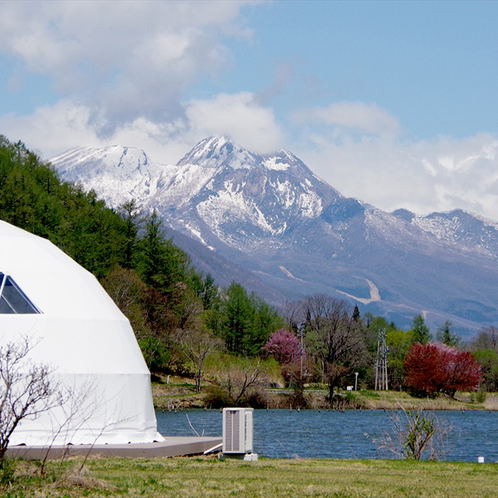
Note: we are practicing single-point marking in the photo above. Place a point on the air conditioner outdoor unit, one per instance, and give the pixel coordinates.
(237, 430)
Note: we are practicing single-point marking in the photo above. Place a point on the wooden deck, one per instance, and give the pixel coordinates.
(171, 447)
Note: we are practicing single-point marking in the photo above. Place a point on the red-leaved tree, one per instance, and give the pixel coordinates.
(435, 367)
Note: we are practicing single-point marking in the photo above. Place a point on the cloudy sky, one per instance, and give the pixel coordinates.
(395, 103)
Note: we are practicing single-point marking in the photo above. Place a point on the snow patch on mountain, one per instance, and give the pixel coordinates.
(276, 164)
(374, 294)
(232, 206)
(310, 204)
(441, 228)
(462, 229)
(116, 173)
(178, 184)
(286, 272)
(218, 151)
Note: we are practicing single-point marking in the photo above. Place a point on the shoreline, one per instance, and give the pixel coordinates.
(179, 394)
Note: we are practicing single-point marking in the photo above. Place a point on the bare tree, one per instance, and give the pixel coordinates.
(196, 344)
(237, 375)
(487, 338)
(26, 389)
(250, 374)
(127, 291)
(74, 414)
(332, 336)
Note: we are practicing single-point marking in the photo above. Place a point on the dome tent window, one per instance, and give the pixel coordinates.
(13, 299)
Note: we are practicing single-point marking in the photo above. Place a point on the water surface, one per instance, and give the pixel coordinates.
(333, 434)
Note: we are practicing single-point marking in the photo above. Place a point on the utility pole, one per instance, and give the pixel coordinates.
(381, 362)
(301, 354)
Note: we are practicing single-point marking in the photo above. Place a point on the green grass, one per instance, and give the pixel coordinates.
(198, 477)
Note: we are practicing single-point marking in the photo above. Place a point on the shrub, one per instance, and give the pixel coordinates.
(255, 398)
(481, 395)
(217, 397)
(297, 399)
(415, 434)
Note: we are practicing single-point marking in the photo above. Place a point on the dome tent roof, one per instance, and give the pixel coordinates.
(76, 329)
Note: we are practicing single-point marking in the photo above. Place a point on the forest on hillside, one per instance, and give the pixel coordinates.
(187, 325)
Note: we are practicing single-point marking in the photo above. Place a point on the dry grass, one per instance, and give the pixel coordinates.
(176, 392)
(180, 393)
(196, 477)
(393, 400)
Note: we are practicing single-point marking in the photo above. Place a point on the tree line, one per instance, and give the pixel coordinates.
(328, 342)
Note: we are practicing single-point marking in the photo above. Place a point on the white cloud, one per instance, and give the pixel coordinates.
(67, 124)
(122, 60)
(51, 130)
(239, 117)
(367, 118)
(425, 176)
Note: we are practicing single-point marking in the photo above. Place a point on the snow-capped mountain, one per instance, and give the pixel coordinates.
(116, 173)
(272, 216)
(460, 228)
(221, 192)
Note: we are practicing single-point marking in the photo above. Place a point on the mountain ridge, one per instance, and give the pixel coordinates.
(270, 215)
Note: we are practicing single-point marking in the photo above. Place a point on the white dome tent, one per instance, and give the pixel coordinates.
(74, 327)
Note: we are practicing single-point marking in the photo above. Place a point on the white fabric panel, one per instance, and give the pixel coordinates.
(87, 342)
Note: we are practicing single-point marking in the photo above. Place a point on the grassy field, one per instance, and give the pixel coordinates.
(198, 477)
(392, 400)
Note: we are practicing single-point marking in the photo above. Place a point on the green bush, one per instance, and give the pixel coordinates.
(481, 395)
(217, 397)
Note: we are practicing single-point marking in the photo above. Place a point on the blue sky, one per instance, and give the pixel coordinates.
(390, 102)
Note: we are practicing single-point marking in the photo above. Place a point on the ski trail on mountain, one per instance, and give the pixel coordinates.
(374, 294)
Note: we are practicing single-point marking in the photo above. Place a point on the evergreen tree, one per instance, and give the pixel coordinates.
(132, 217)
(420, 331)
(446, 336)
(356, 317)
(237, 316)
(266, 320)
(162, 265)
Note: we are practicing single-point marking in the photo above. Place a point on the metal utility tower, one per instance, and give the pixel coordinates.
(381, 362)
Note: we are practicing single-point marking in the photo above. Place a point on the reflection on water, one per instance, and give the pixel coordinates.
(332, 434)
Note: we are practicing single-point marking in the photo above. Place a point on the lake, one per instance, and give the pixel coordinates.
(333, 434)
